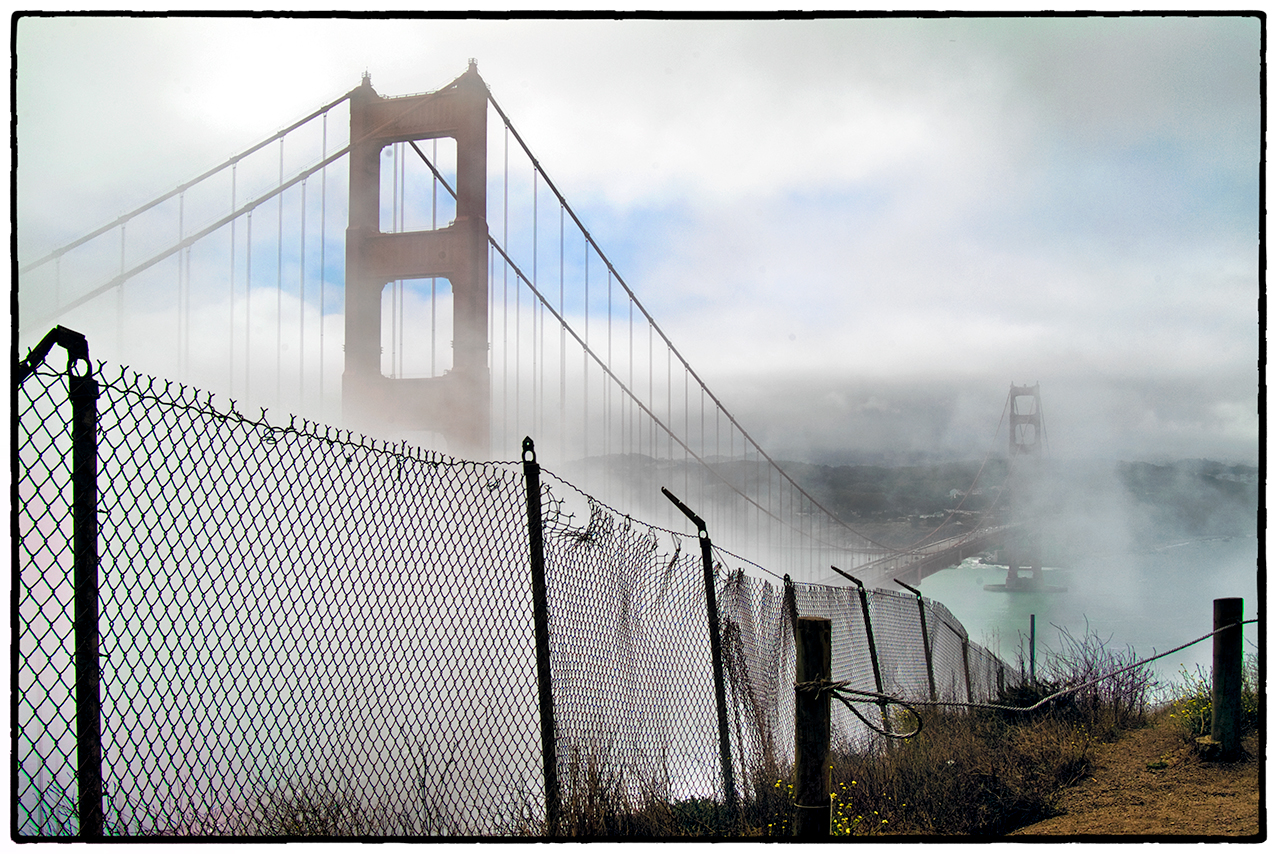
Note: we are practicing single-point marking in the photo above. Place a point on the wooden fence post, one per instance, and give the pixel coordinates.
(811, 729)
(1226, 681)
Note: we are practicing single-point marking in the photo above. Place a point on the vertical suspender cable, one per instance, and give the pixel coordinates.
(186, 340)
(535, 305)
(181, 307)
(119, 304)
(687, 431)
(607, 387)
(702, 450)
(563, 355)
(631, 447)
(323, 273)
(301, 307)
(434, 223)
(541, 395)
(651, 386)
(505, 293)
(518, 293)
(248, 298)
(394, 285)
(585, 375)
(651, 397)
(402, 215)
(279, 279)
(492, 326)
(403, 226)
(230, 333)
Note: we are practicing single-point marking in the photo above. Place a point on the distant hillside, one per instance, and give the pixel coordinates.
(886, 493)
(1084, 506)
(1193, 498)
(1152, 503)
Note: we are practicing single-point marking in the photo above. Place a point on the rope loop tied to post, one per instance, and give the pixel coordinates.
(846, 695)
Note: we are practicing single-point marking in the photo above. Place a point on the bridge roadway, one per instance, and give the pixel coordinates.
(916, 564)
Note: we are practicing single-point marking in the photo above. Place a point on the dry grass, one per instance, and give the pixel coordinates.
(968, 772)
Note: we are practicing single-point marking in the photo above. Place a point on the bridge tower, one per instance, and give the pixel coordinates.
(457, 404)
(1026, 419)
(1025, 447)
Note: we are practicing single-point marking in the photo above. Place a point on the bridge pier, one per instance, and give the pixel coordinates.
(1024, 556)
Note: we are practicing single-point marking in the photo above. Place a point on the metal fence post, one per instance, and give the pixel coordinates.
(813, 664)
(791, 605)
(716, 655)
(83, 393)
(88, 670)
(541, 632)
(966, 657)
(873, 649)
(1226, 678)
(926, 643)
(1033, 653)
(966, 666)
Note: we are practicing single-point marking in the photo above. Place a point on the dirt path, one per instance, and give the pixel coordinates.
(1150, 783)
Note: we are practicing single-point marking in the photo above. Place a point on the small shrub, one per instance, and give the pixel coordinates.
(1115, 702)
(312, 810)
(1191, 703)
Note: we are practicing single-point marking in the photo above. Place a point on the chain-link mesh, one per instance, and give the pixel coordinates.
(44, 680)
(306, 631)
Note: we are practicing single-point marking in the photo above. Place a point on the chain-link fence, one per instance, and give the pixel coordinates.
(306, 631)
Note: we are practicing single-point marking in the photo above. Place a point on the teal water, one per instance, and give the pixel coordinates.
(1151, 602)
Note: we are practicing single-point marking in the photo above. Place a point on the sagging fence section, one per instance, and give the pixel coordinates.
(277, 628)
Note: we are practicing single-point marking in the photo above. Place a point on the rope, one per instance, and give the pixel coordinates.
(847, 695)
(839, 690)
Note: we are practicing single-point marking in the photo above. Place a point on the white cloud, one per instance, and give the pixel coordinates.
(960, 197)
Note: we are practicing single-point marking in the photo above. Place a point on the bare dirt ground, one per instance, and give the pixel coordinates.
(1151, 783)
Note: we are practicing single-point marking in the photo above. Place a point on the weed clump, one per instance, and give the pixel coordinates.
(965, 773)
(1191, 702)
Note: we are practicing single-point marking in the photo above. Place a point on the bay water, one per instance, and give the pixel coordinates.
(1150, 602)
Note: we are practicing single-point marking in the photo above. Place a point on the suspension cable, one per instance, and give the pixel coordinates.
(202, 233)
(652, 325)
(987, 456)
(621, 281)
(588, 353)
(181, 188)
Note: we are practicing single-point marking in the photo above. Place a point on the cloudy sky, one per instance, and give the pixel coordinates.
(859, 232)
